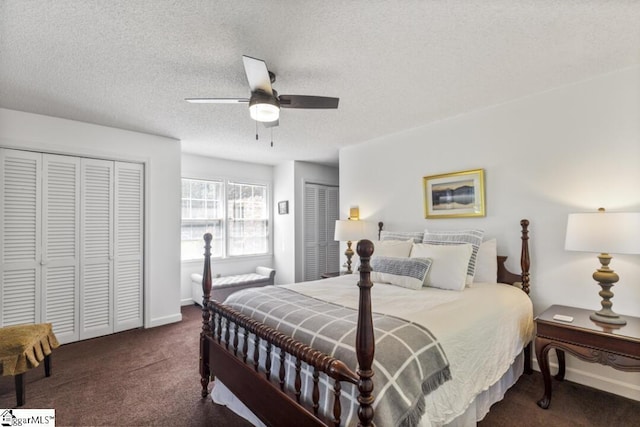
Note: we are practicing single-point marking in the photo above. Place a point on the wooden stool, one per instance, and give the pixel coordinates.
(23, 347)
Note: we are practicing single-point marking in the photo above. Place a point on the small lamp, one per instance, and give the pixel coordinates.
(354, 213)
(349, 231)
(618, 233)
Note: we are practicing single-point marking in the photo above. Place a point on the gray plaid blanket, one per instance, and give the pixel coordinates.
(409, 362)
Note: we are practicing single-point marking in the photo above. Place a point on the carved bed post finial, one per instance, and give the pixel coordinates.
(205, 372)
(206, 274)
(365, 340)
(525, 262)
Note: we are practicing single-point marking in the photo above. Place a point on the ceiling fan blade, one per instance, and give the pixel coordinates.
(217, 100)
(271, 124)
(304, 101)
(257, 74)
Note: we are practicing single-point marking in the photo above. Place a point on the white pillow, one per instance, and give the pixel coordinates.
(487, 262)
(449, 264)
(405, 272)
(456, 237)
(395, 248)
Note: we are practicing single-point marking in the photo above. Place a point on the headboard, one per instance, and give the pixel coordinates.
(504, 275)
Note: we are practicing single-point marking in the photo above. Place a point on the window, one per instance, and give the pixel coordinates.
(244, 230)
(248, 219)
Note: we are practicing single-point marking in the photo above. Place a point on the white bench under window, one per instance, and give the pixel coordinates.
(222, 287)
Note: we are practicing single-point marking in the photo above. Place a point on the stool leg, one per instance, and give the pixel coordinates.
(47, 366)
(19, 379)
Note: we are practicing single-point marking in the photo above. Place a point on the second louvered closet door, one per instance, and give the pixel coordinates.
(61, 245)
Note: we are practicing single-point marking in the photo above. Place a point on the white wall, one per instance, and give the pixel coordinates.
(201, 167)
(307, 173)
(284, 244)
(162, 191)
(572, 149)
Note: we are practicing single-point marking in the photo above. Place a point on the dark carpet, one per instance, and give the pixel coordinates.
(150, 377)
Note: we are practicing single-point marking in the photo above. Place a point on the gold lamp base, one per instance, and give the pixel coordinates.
(606, 278)
(349, 254)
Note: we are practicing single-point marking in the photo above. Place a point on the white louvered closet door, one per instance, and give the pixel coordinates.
(310, 264)
(96, 237)
(320, 214)
(61, 245)
(128, 224)
(20, 237)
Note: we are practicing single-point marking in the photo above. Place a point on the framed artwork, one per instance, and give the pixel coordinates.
(283, 207)
(454, 195)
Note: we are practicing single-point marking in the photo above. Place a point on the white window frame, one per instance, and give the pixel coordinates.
(225, 218)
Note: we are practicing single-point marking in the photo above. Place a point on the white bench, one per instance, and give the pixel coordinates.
(222, 287)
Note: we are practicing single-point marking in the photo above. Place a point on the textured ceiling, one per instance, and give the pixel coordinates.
(394, 65)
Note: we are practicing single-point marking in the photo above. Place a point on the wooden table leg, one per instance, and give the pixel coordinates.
(527, 358)
(20, 395)
(561, 365)
(542, 354)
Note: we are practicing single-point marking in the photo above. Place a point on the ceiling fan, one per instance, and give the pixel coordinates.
(265, 103)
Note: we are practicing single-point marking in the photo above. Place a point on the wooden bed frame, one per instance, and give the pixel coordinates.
(264, 390)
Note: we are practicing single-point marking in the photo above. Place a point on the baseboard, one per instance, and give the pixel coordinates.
(165, 320)
(186, 301)
(594, 380)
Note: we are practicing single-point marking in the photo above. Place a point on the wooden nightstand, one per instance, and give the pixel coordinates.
(618, 347)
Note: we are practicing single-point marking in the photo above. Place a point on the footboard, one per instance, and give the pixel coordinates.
(250, 357)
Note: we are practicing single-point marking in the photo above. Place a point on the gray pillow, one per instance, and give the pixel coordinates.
(406, 272)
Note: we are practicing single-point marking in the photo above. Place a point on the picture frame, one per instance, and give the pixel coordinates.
(454, 195)
(283, 207)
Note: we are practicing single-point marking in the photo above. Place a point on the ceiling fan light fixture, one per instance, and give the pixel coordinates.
(264, 107)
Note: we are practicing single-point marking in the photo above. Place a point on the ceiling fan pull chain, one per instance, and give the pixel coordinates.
(256, 131)
(272, 137)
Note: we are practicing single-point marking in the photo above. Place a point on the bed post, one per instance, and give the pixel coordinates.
(365, 340)
(205, 372)
(525, 263)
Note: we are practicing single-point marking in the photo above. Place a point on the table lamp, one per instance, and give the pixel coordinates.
(605, 233)
(349, 231)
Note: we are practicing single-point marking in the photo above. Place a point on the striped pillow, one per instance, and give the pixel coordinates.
(405, 272)
(416, 236)
(456, 237)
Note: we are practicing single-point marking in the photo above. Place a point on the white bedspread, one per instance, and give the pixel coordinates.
(482, 329)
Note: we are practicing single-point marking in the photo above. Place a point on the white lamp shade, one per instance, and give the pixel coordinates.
(604, 232)
(349, 230)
